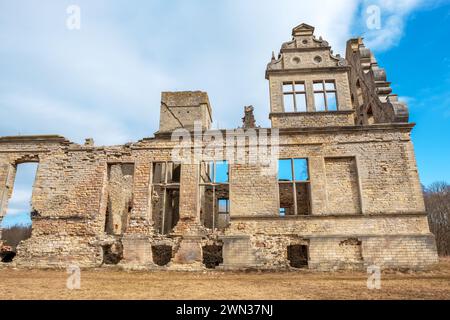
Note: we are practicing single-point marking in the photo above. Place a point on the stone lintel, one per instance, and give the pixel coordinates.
(325, 216)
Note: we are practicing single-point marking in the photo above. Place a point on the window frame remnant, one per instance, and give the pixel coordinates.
(294, 181)
(294, 93)
(165, 185)
(326, 93)
(212, 183)
(227, 205)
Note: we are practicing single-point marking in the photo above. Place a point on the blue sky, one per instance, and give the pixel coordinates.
(19, 206)
(419, 68)
(104, 80)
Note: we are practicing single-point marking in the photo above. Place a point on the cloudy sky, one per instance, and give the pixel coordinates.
(104, 80)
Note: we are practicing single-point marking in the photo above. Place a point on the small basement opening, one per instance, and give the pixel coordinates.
(7, 257)
(162, 254)
(298, 256)
(212, 256)
(112, 253)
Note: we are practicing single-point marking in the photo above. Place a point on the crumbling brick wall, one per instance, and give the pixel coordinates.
(71, 195)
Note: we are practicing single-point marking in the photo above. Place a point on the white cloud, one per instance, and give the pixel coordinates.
(21, 195)
(394, 14)
(104, 81)
(52, 116)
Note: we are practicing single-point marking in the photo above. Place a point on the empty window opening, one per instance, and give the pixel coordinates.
(223, 218)
(162, 254)
(214, 194)
(224, 206)
(212, 256)
(120, 197)
(166, 195)
(166, 172)
(294, 95)
(112, 253)
(20, 204)
(298, 256)
(325, 95)
(294, 187)
(17, 223)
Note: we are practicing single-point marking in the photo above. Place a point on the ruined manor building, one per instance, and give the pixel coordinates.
(346, 194)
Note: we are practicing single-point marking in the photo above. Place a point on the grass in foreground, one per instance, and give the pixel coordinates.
(113, 284)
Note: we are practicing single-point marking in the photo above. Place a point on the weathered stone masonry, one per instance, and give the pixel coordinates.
(359, 203)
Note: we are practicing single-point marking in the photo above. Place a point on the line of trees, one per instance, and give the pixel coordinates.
(437, 202)
(14, 235)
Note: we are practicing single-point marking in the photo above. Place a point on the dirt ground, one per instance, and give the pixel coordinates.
(114, 284)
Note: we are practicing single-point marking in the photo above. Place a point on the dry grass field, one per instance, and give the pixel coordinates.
(113, 284)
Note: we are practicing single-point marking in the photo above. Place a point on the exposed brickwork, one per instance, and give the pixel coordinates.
(342, 186)
(247, 182)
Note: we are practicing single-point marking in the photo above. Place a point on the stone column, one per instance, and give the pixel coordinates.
(318, 186)
(137, 249)
(189, 222)
(140, 219)
(6, 182)
(7, 175)
(310, 105)
(189, 228)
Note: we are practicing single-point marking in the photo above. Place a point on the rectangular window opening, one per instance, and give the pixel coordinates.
(214, 194)
(294, 96)
(289, 102)
(166, 195)
(294, 187)
(319, 99)
(17, 222)
(224, 206)
(119, 197)
(325, 95)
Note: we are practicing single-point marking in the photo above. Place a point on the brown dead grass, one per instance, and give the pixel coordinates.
(113, 284)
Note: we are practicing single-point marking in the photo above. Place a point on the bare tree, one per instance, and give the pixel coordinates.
(14, 235)
(437, 202)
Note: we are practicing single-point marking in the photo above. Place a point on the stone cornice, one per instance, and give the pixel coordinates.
(307, 70)
(334, 216)
(306, 49)
(312, 113)
(334, 129)
(35, 139)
